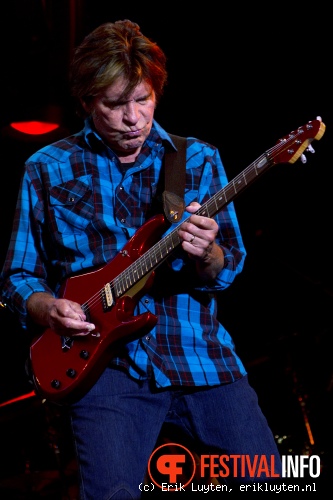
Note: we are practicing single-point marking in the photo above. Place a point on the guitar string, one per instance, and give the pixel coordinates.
(150, 260)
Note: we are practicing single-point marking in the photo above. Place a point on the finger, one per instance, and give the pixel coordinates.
(193, 207)
(201, 223)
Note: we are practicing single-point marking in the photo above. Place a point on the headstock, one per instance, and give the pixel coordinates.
(291, 147)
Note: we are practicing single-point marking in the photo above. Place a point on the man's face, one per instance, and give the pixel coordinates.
(124, 124)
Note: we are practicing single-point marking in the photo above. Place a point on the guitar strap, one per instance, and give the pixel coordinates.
(174, 179)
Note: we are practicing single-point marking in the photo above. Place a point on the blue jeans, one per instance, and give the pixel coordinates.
(117, 423)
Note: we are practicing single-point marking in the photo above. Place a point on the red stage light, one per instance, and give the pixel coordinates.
(34, 127)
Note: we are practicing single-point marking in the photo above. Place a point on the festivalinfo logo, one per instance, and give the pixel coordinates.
(172, 467)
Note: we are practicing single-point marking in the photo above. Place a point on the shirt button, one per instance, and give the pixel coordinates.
(146, 301)
(123, 221)
(148, 338)
(121, 188)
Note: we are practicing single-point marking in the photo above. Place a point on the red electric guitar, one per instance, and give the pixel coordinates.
(63, 369)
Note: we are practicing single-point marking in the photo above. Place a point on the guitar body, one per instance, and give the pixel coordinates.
(64, 373)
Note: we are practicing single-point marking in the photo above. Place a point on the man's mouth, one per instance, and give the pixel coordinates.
(136, 133)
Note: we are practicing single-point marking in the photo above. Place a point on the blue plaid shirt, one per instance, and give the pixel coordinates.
(77, 209)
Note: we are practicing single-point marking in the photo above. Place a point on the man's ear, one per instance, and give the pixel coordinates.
(85, 105)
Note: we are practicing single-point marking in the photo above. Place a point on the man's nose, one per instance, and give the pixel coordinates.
(131, 112)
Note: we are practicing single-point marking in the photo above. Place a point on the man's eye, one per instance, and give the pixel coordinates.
(119, 105)
(113, 105)
(146, 98)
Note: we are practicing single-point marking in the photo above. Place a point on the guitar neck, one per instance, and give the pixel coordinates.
(235, 187)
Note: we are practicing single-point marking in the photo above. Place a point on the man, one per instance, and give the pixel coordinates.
(81, 200)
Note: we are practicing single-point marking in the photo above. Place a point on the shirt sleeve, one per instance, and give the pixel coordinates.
(24, 270)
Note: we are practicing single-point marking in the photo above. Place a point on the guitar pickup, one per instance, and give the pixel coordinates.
(107, 297)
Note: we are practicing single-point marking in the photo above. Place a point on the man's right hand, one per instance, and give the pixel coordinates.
(63, 316)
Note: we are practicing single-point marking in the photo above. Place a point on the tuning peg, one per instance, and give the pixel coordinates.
(310, 149)
(303, 158)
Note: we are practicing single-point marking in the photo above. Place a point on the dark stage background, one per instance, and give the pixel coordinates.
(240, 77)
